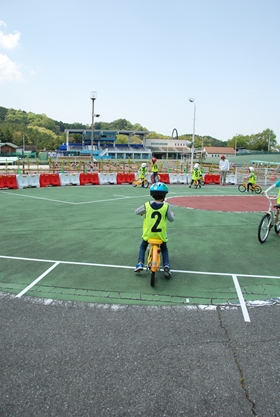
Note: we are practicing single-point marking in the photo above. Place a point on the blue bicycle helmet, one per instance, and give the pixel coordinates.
(159, 189)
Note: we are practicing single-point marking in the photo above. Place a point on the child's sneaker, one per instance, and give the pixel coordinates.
(139, 267)
(167, 271)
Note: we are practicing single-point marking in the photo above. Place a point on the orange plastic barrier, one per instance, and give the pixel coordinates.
(123, 177)
(55, 180)
(84, 178)
(207, 178)
(44, 180)
(10, 181)
(130, 177)
(212, 178)
(216, 179)
(2, 181)
(49, 179)
(89, 178)
(94, 178)
(164, 178)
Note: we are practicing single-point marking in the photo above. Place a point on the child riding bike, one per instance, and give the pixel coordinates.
(142, 172)
(155, 226)
(276, 184)
(251, 178)
(196, 175)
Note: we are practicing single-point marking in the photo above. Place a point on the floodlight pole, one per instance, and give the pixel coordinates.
(192, 100)
(93, 97)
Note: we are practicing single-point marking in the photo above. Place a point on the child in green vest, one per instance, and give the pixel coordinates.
(155, 225)
(196, 175)
(251, 178)
(142, 172)
(154, 175)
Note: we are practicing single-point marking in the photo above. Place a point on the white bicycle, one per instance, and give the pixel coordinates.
(269, 220)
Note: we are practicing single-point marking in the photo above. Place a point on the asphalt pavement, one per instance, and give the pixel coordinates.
(62, 358)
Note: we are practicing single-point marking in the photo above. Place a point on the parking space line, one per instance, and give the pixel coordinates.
(56, 263)
(241, 299)
(37, 280)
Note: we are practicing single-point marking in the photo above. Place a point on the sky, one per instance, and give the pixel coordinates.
(145, 59)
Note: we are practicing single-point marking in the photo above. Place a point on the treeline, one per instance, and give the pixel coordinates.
(43, 132)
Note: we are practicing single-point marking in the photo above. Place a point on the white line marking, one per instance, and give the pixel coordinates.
(108, 199)
(74, 204)
(180, 271)
(241, 299)
(39, 198)
(55, 263)
(37, 280)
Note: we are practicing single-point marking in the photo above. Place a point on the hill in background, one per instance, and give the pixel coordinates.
(45, 133)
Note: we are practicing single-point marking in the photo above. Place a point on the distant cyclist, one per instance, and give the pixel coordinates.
(251, 178)
(143, 172)
(154, 176)
(196, 175)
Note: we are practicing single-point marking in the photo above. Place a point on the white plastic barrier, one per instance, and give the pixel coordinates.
(25, 180)
(231, 179)
(69, 179)
(107, 178)
(75, 179)
(64, 179)
(148, 177)
(34, 180)
(182, 178)
(22, 181)
(172, 178)
(178, 178)
(112, 178)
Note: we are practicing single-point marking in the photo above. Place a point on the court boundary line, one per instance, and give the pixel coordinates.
(56, 263)
(72, 203)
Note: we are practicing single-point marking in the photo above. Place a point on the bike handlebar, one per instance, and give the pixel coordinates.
(270, 197)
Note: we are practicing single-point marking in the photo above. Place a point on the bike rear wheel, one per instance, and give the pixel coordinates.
(241, 188)
(264, 228)
(258, 189)
(277, 227)
(134, 183)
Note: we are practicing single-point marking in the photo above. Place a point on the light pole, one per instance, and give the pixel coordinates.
(93, 97)
(192, 100)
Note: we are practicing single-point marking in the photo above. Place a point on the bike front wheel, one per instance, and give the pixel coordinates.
(241, 188)
(264, 228)
(258, 189)
(152, 281)
(146, 183)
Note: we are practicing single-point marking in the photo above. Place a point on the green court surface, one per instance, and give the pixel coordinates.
(81, 244)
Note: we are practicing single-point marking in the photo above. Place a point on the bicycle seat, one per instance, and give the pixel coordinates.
(277, 206)
(155, 241)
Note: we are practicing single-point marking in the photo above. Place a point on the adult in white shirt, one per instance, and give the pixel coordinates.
(224, 168)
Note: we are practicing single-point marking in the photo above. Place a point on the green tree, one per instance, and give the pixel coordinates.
(16, 116)
(122, 139)
(256, 141)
